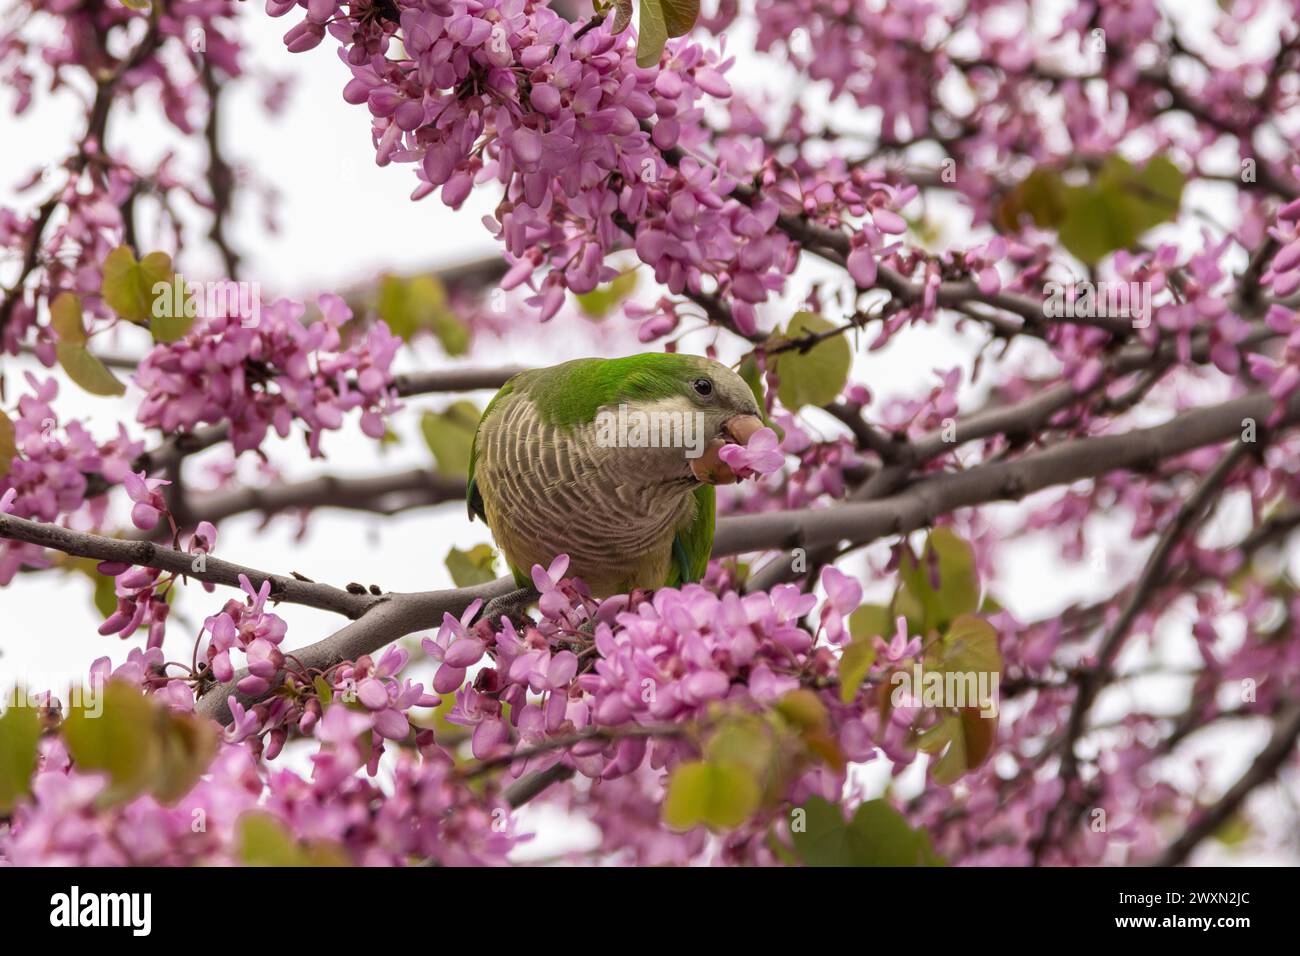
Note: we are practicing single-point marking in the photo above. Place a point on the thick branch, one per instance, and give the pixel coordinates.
(929, 498)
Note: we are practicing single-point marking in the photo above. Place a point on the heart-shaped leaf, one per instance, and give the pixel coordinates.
(87, 370)
(128, 286)
(449, 435)
(721, 795)
(475, 566)
(817, 376)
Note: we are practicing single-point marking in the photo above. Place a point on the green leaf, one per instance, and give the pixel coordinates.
(20, 735)
(475, 566)
(128, 286)
(1122, 203)
(187, 745)
(746, 740)
(804, 709)
(680, 15)
(599, 302)
(113, 729)
(622, 16)
(970, 644)
(87, 370)
(1153, 192)
(878, 835)
(324, 692)
(871, 620)
(77, 360)
(1096, 223)
(65, 318)
(139, 742)
(173, 313)
(968, 649)
(411, 304)
(8, 444)
(1040, 195)
(1234, 831)
(968, 739)
(720, 795)
(450, 435)
(263, 841)
(1109, 212)
(652, 34)
(927, 607)
(815, 377)
(105, 596)
(855, 663)
(452, 333)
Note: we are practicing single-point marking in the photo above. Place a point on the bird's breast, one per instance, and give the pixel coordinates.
(551, 490)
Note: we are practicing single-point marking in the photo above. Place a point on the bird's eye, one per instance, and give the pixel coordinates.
(703, 387)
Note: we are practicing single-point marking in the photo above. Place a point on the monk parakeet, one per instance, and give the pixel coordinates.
(612, 462)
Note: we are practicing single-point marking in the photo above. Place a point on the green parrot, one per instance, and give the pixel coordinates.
(612, 462)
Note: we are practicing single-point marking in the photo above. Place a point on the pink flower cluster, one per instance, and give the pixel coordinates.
(1282, 375)
(264, 373)
(48, 478)
(657, 659)
(426, 814)
(576, 133)
(62, 44)
(250, 630)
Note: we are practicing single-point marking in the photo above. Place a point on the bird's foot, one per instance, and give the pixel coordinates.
(511, 605)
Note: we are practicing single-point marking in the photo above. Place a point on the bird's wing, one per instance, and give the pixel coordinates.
(473, 496)
(693, 544)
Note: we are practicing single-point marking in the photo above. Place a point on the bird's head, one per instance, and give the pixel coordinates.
(731, 414)
(671, 413)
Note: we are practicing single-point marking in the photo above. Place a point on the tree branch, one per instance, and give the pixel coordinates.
(216, 571)
(920, 504)
(174, 449)
(386, 619)
(380, 494)
(1265, 767)
(1153, 574)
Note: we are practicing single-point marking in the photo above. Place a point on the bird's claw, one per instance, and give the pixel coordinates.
(511, 605)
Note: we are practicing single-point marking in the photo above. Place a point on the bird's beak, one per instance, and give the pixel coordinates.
(741, 428)
(709, 467)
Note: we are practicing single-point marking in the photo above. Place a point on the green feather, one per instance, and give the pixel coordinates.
(694, 543)
(573, 392)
